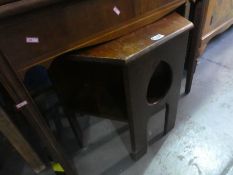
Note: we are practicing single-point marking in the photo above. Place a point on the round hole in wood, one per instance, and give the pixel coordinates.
(160, 82)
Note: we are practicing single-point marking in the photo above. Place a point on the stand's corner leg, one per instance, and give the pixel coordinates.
(170, 117)
(138, 134)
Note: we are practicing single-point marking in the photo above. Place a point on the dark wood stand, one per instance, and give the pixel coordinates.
(129, 78)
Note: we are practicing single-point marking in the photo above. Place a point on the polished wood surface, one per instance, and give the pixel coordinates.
(99, 23)
(10, 131)
(133, 44)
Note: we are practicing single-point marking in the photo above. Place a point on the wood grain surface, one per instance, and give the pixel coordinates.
(130, 45)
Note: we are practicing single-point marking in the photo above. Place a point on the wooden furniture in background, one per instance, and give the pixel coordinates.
(129, 78)
(10, 131)
(210, 18)
(217, 18)
(36, 32)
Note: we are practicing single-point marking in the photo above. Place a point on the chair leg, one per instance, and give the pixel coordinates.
(138, 134)
(170, 117)
(75, 127)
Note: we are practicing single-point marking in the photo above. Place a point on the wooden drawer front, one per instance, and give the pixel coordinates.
(219, 11)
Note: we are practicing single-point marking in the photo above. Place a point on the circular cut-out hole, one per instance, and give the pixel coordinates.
(160, 82)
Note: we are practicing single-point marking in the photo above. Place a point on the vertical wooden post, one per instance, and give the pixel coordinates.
(197, 16)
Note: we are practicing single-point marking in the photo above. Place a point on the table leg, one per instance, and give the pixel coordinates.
(170, 116)
(198, 12)
(136, 118)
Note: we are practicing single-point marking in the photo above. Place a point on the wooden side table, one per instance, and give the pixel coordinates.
(129, 78)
